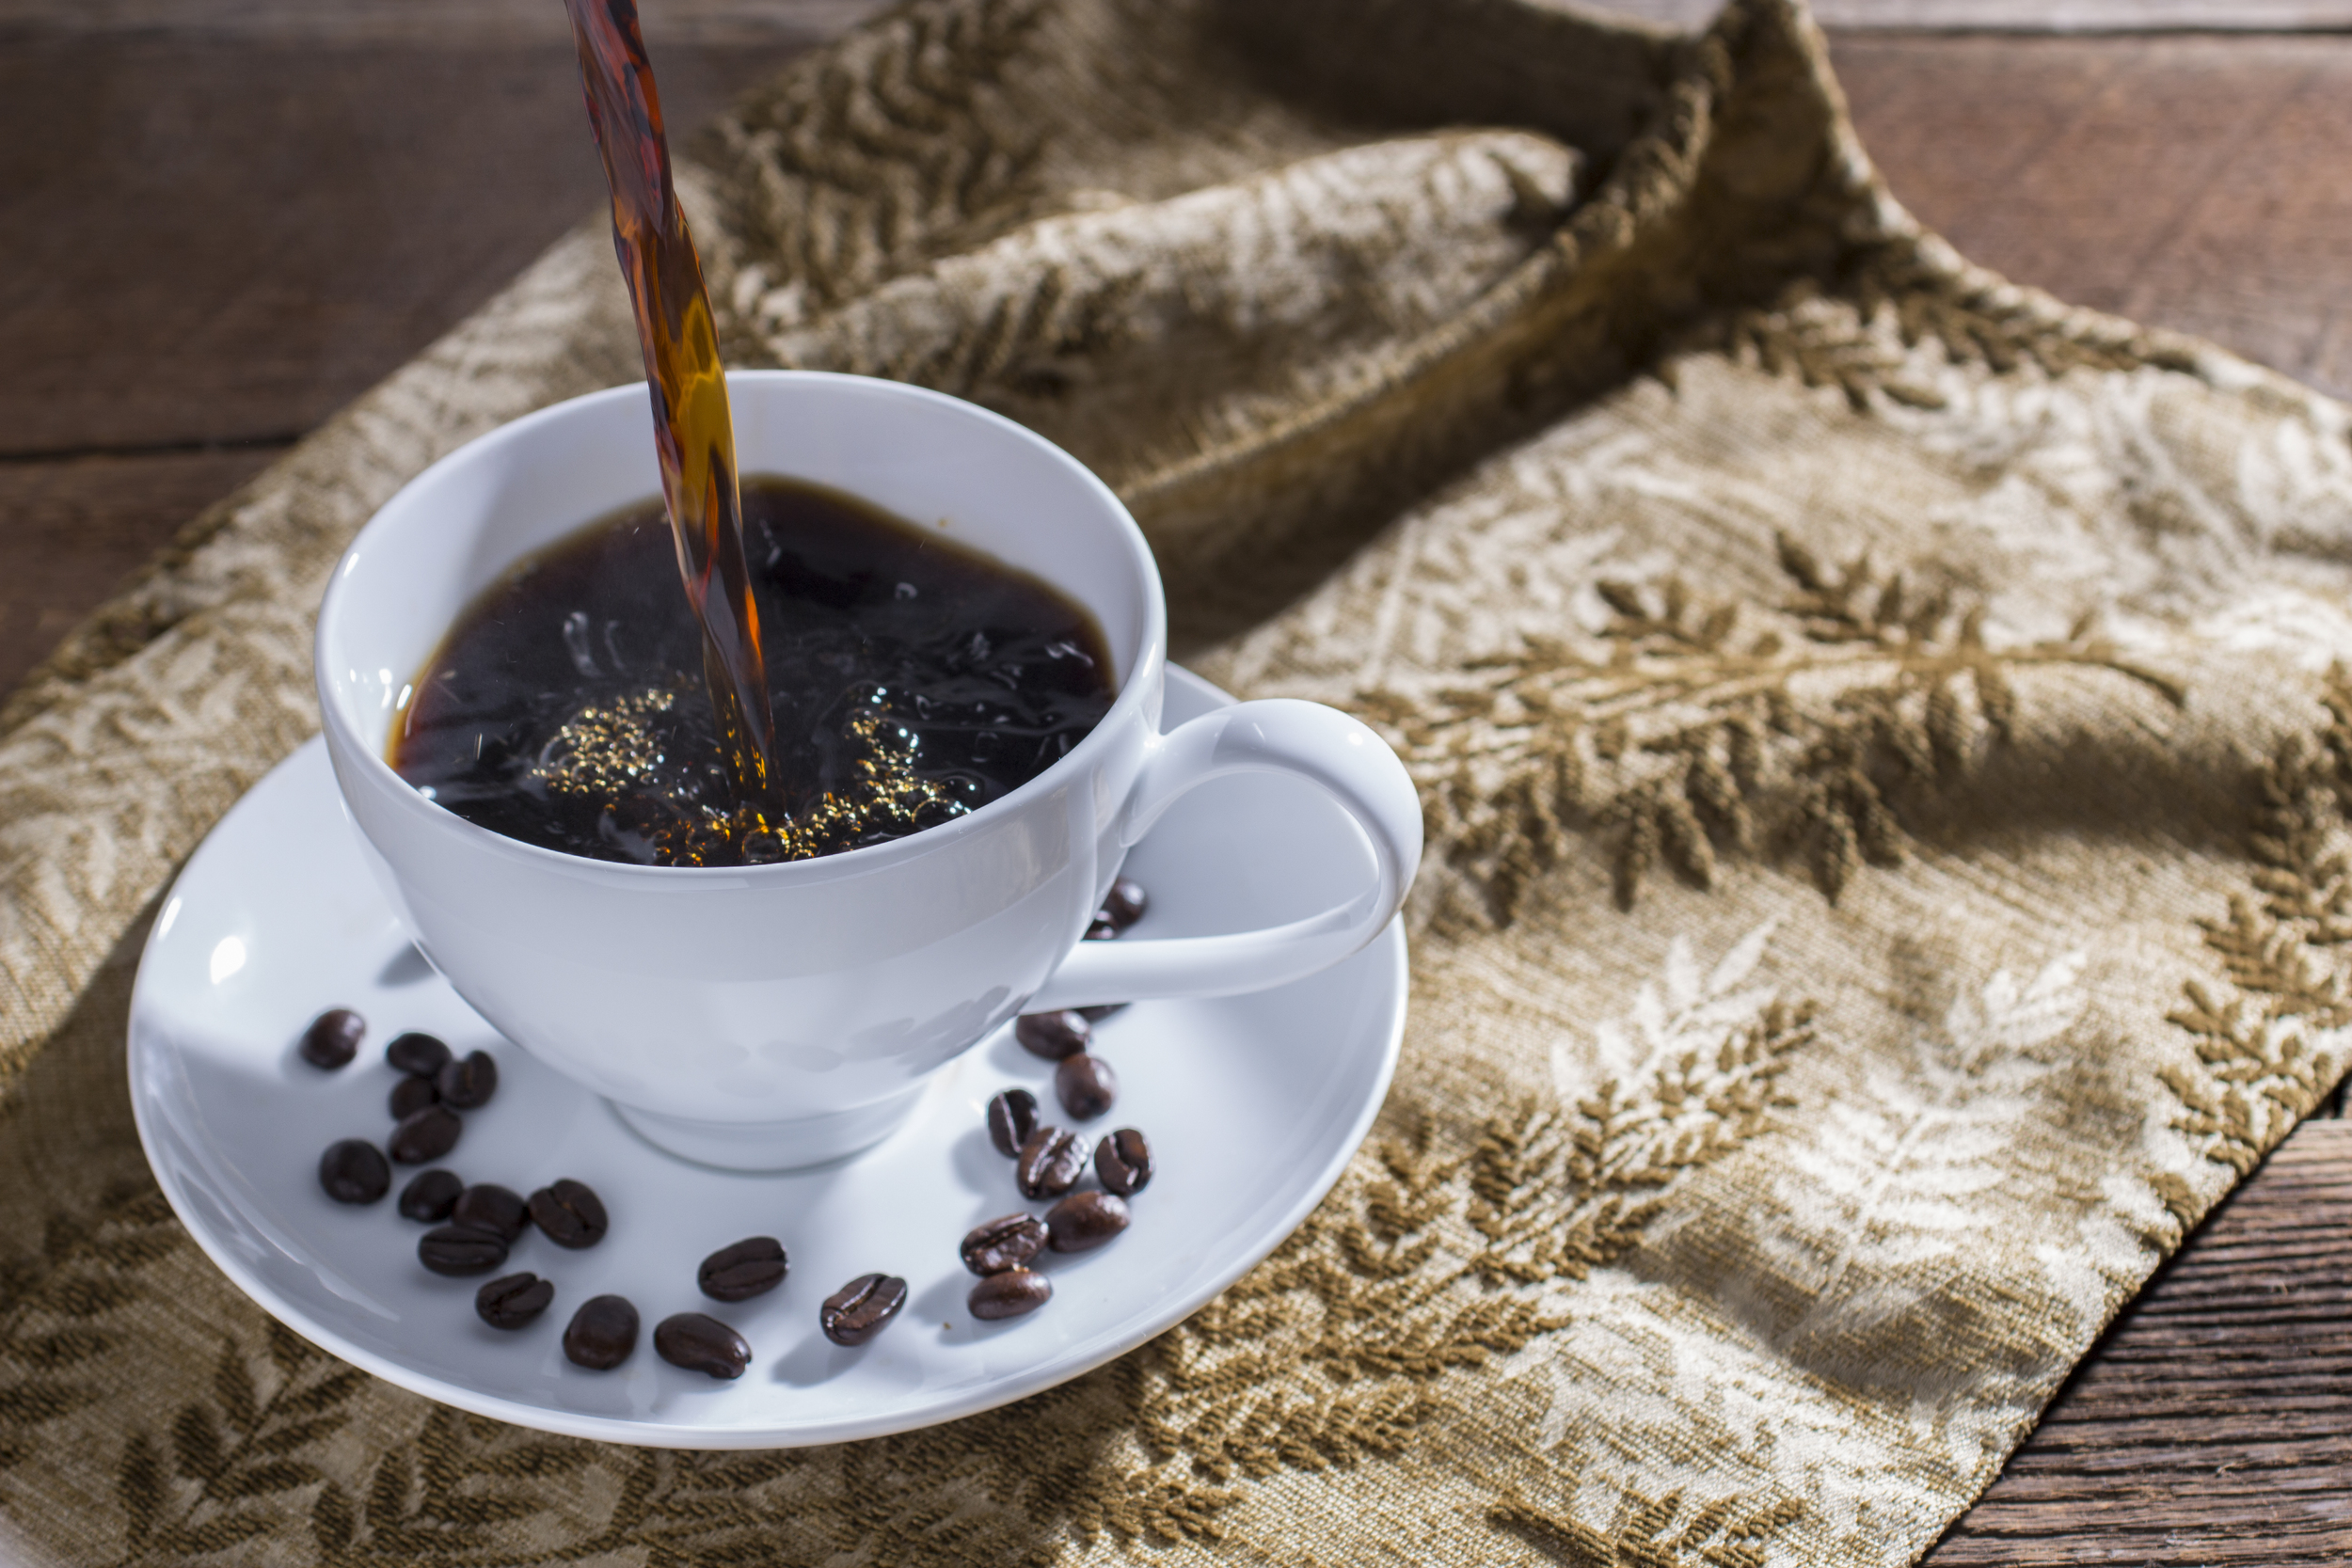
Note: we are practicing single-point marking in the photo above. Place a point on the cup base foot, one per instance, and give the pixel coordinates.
(772, 1145)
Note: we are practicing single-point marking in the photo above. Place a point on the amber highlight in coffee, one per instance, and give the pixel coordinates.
(911, 680)
(693, 433)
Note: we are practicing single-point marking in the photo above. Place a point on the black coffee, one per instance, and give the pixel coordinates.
(911, 680)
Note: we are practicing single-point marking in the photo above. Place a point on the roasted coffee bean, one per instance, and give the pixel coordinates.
(354, 1171)
(1101, 928)
(469, 1084)
(1004, 1243)
(425, 1135)
(751, 1267)
(1051, 1162)
(1123, 1161)
(513, 1300)
(430, 1195)
(1052, 1035)
(1097, 1014)
(413, 1094)
(1011, 1118)
(1085, 1085)
(861, 1308)
(461, 1249)
(333, 1038)
(572, 1215)
(701, 1343)
(601, 1334)
(1084, 1221)
(487, 1206)
(1125, 902)
(418, 1053)
(1009, 1294)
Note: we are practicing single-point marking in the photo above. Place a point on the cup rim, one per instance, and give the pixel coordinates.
(1151, 656)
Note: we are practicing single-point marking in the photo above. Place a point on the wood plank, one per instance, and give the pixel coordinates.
(2214, 1423)
(2004, 16)
(70, 530)
(431, 22)
(2129, 175)
(178, 272)
(2087, 16)
(2191, 182)
(179, 277)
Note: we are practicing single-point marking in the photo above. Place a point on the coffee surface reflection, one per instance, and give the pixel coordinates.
(911, 680)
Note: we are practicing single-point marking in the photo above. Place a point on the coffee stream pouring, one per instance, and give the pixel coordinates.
(693, 431)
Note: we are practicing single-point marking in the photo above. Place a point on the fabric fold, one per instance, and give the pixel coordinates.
(1881, 733)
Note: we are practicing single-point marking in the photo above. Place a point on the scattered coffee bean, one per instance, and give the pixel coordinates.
(469, 1084)
(1101, 928)
(1084, 1221)
(570, 1213)
(861, 1308)
(418, 1053)
(751, 1267)
(513, 1300)
(333, 1038)
(1050, 1165)
(1007, 1241)
(1098, 1013)
(1085, 1085)
(411, 1095)
(1011, 1118)
(461, 1249)
(425, 1135)
(1052, 1035)
(430, 1195)
(601, 1334)
(1125, 903)
(487, 1206)
(1123, 1161)
(354, 1171)
(701, 1343)
(1009, 1294)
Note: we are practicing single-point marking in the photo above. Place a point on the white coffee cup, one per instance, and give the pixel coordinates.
(769, 1017)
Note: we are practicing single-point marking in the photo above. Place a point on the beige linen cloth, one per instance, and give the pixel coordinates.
(1880, 733)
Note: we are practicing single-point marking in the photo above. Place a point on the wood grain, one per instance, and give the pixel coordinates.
(2214, 1424)
(216, 241)
(181, 291)
(71, 529)
(2087, 16)
(442, 24)
(2190, 182)
(2015, 16)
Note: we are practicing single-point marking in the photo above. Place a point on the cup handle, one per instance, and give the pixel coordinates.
(1349, 763)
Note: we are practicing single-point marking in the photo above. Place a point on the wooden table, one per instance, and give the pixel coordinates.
(183, 294)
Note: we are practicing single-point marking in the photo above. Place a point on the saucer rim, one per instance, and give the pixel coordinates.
(1032, 1380)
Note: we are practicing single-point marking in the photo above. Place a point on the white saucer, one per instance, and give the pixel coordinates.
(1253, 1106)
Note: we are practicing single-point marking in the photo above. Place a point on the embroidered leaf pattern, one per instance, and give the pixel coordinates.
(838, 177)
(58, 1316)
(1653, 1533)
(1888, 1181)
(460, 1477)
(1437, 1260)
(1854, 332)
(226, 1471)
(1686, 1075)
(2271, 1045)
(1689, 729)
